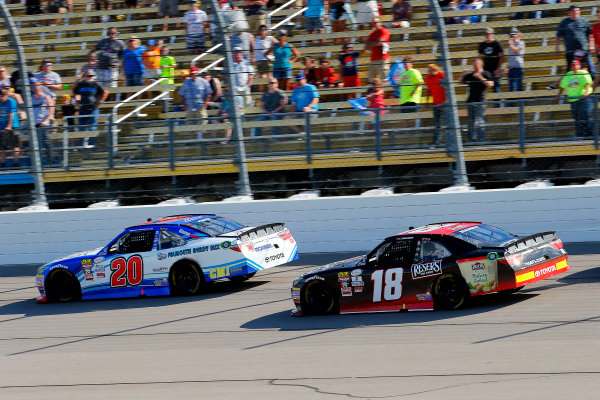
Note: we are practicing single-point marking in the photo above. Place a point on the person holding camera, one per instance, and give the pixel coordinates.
(514, 66)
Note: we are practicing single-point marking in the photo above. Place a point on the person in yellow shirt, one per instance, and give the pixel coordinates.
(577, 84)
(410, 83)
(167, 65)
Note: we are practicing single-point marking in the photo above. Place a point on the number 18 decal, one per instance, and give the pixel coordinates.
(128, 272)
(390, 284)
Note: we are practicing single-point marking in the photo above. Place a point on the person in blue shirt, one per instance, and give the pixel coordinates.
(8, 122)
(316, 12)
(304, 98)
(132, 62)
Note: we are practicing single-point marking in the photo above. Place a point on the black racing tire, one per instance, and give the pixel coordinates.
(185, 279)
(62, 286)
(241, 278)
(450, 292)
(319, 299)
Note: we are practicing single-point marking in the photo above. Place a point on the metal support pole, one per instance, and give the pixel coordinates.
(596, 122)
(172, 144)
(110, 148)
(377, 136)
(238, 133)
(308, 144)
(522, 137)
(36, 165)
(460, 171)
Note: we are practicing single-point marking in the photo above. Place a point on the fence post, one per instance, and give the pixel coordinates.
(595, 126)
(377, 136)
(172, 144)
(110, 149)
(522, 137)
(307, 129)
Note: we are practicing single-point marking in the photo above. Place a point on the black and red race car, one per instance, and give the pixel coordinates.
(438, 266)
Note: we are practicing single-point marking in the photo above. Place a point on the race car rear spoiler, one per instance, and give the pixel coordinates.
(530, 241)
(259, 231)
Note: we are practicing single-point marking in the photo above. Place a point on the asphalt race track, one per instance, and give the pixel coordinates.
(240, 342)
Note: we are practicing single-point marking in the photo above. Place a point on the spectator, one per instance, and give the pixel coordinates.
(367, 12)
(578, 85)
(437, 92)
(195, 27)
(349, 68)
(490, 51)
(8, 122)
(166, 9)
(132, 62)
(325, 73)
(197, 96)
(256, 13)
(89, 94)
(43, 104)
(243, 76)
(33, 7)
(151, 60)
(316, 12)
(167, 66)
(470, 5)
(285, 54)
(514, 67)
(402, 13)
(67, 110)
(310, 70)
(90, 65)
(479, 81)
(305, 98)
(272, 104)
(595, 44)
(245, 42)
(49, 79)
(59, 7)
(378, 43)
(337, 16)
(410, 83)
(4, 78)
(110, 52)
(375, 95)
(228, 110)
(216, 87)
(262, 43)
(98, 6)
(532, 14)
(224, 5)
(575, 30)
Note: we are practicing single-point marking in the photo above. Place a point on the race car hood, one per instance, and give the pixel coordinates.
(349, 263)
(71, 258)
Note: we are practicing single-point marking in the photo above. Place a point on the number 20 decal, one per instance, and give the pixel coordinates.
(130, 272)
(389, 282)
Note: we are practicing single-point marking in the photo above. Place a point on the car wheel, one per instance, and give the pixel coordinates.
(319, 299)
(185, 279)
(241, 278)
(450, 292)
(62, 286)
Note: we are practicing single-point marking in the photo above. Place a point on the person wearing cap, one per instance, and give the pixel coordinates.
(245, 42)
(151, 60)
(256, 13)
(492, 54)
(516, 61)
(132, 62)
(89, 94)
(243, 76)
(577, 84)
(437, 92)
(304, 98)
(9, 121)
(478, 80)
(49, 79)
(378, 43)
(196, 22)
(349, 67)
(197, 95)
(262, 42)
(109, 52)
(575, 31)
(284, 55)
(90, 65)
(42, 104)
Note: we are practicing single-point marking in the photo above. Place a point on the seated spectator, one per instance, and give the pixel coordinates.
(195, 27)
(49, 79)
(262, 43)
(532, 14)
(470, 5)
(132, 62)
(402, 13)
(338, 16)
(325, 73)
(310, 70)
(272, 103)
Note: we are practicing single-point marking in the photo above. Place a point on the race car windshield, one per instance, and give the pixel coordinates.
(215, 226)
(485, 236)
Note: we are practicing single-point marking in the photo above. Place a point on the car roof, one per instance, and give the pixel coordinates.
(175, 220)
(439, 228)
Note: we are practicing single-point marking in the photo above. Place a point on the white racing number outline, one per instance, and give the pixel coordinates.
(390, 284)
(127, 273)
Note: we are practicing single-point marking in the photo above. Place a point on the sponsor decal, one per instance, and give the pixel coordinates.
(346, 291)
(201, 249)
(160, 269)
(262, 248)
(344, 284)
(480, 273)
(88, 273)
(58, 266)
(86, 261)
(424, 270)
(178, 253)
(99, 270)
(424, 296)
(406, 237)
(296, 294)
(235, 270)
(161, 255)
(215, 247)
(100, 275)
(226, 244)
(492, 256)
(184, 232)
(358, 289)
(98, 260)
(219, 272)
(161, 282)
(536, 261)
(357, 279)
(357, 283)
(312, 278)
(477, 266)
(356, 272)
(274, 257)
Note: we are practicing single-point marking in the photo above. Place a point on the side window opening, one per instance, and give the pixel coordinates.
(133, 242)
(395, 253)
(430, 250)
(169, 240)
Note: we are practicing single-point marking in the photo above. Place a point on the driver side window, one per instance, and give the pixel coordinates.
(133, 242)
(394, 254)
(430, 250)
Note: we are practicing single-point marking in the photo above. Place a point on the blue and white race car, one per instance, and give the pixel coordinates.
(171, 255)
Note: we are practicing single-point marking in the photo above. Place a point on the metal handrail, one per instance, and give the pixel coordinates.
(209, 66)
(275, 11)
(209, 51)
(288, 18)
(66, 129)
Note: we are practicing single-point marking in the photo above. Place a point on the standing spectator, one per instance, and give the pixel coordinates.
(490, 51)
(272, 103)
(110, 52)
(378, 43)
(90, 65)
(197, 96)
(410, 83)
(256, 13)
(245, 42)
(89, 94)
(59, 7)
(151, 60)
(262, 43)
(132, 62)
(366, 13)
(285, 54)
(167, 66)
(375, 96)
(514, 66)
(402, 13)
(49, 79)
(337, 16)
(349, 68)
(479, 81)
(575, 30)
(437, 92)
(532, 14)
(166, 9)
(68, 109)
(195, 27)
(243, 76)
(595, 44)
(43, 105)
(216, 87)
(8, 121)
(98, 6)
(578, 85)
(305, 98)
(4, 78)
(316, 12)
(224, 5)
(33, 7)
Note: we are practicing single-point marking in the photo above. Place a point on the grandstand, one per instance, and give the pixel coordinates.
(529, 134)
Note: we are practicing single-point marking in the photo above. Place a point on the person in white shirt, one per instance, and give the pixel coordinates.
(243, 75)
(262, 43)
(195, 26)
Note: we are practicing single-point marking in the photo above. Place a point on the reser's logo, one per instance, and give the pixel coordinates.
(424, 270)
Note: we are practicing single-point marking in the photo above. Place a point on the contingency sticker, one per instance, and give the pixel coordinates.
(481, 273)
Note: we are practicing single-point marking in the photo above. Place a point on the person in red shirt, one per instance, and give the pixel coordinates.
(325, 73)
(435, 90)
(378, 43)
(595, 44)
